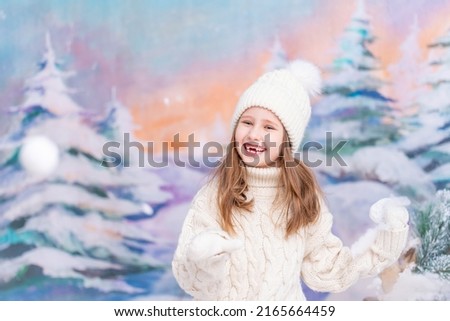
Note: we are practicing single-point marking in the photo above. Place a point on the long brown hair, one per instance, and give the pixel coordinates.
(299, 192)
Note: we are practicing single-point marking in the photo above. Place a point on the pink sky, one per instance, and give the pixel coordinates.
(195, 101)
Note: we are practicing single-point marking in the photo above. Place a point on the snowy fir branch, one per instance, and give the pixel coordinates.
(431, 223)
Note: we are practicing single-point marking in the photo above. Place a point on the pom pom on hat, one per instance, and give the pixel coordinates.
(286, 93)
(308, 76)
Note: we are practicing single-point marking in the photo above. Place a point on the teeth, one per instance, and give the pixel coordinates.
(254, 149)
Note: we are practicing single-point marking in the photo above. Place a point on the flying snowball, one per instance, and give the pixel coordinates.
(39, 156)
(147, 209)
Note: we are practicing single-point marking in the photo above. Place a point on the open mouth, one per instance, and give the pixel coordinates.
(252, 149)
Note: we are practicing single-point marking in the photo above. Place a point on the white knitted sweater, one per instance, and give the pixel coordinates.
(269, 266)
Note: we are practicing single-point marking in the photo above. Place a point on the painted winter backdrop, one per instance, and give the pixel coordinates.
(87, 228)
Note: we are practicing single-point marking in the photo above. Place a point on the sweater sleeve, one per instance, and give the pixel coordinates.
(200, 278)
(328, 266)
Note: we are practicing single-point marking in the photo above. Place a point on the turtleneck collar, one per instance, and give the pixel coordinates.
(263, 176)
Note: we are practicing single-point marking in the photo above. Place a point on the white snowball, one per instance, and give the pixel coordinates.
(147, 209)
(39, 156)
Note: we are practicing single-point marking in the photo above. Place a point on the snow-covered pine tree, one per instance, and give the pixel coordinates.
(429, 142)
(117, 119)
(279, 57)
(117, 125)
(406, 85)
(352, 107)
(79, 226)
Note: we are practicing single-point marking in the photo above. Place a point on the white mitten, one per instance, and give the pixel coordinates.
(391, 212)
(211, 244)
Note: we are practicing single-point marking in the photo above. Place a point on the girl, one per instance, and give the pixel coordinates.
(260, 225)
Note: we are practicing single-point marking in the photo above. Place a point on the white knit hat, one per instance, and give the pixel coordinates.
(285, 92)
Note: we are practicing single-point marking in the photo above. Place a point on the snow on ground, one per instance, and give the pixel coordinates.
(413, 287)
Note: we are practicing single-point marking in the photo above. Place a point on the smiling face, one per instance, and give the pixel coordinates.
(259, 137)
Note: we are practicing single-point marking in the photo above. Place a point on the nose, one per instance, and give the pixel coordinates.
(255, 134)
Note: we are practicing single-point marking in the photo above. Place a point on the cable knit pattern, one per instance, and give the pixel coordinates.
(269, 266)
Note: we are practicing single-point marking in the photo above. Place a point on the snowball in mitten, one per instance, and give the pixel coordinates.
(390, 213)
